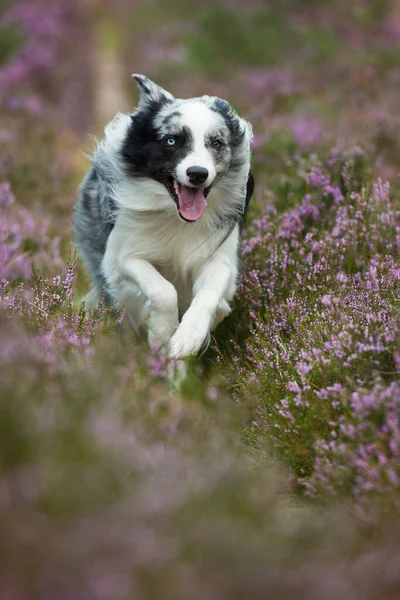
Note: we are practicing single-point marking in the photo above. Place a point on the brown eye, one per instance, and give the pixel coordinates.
(216, 144)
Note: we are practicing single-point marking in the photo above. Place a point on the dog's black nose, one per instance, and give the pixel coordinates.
(197, 175)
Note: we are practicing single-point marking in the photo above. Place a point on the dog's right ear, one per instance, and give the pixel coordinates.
(150, 91)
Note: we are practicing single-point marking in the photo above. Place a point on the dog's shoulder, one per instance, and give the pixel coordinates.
(95, 194)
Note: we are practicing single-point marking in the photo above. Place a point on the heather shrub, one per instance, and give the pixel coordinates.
(274, 470)
(41, 72)
(112, 488)
(23, 237)
(321, 286)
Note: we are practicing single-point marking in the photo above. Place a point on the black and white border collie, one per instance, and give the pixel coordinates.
(158, 215)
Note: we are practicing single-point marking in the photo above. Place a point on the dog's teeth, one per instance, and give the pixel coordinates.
(176, 188)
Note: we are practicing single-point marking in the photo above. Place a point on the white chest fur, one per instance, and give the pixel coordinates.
(177, 250)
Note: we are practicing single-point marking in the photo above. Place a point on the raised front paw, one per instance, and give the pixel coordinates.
(188, 339)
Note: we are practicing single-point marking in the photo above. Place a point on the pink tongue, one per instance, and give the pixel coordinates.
(191, 203)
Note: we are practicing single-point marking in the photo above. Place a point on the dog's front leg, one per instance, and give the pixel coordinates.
(161, 296)
(215, 284)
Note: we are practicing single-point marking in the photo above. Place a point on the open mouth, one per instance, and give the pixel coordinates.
(191, 201)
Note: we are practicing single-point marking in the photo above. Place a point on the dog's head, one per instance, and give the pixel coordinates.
(188, 146)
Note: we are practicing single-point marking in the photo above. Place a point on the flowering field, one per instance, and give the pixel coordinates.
(275, 471)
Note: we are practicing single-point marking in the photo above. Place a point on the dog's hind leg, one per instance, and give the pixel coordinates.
(93, 225)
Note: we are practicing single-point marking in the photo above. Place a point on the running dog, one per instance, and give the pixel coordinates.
(159, 214)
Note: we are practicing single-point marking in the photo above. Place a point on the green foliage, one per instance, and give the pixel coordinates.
(241, 37)
(10, 42)
(254, 38)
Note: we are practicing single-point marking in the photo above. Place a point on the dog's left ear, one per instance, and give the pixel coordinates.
(150, 91)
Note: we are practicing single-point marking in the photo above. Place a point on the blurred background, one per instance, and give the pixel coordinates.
(305, 73)
(318, 69)
(275, 473)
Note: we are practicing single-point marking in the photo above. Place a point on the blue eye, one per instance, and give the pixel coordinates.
(171, 141)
